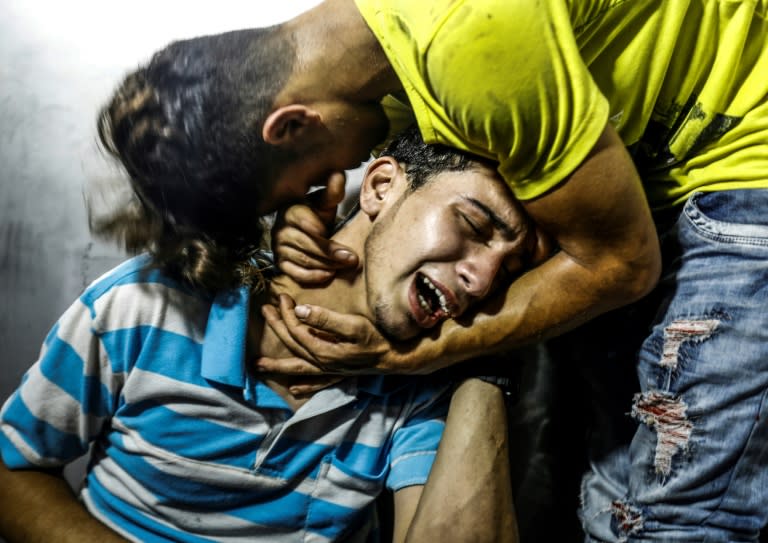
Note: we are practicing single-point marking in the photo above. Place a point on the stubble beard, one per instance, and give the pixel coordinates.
(390, 330)
(382, 310)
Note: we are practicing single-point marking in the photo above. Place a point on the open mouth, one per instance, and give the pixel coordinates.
(434, 301)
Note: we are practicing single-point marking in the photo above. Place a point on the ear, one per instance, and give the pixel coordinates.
(382, 182)
(289, 124)
(544, 247)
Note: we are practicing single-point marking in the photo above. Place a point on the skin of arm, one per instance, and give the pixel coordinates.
(608, 256)
(39, 505)
(468, 496)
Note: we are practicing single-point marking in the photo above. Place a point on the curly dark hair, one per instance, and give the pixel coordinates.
(186, 128)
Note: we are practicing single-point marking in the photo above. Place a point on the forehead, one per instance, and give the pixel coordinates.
(479, 184)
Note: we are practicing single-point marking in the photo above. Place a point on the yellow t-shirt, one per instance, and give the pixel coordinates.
(532, 85)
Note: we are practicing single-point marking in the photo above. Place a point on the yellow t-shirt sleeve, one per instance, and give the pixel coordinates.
(502, 78)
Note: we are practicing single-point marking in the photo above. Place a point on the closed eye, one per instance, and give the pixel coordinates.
(477, 230)
(471, 224)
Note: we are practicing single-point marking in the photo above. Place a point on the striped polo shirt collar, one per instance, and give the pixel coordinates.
(223, 356)
(223, 359)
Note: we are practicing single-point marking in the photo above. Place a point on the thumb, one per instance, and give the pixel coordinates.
(342, 254)
(334, 191)
(325, 201)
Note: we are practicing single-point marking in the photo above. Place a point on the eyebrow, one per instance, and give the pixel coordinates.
(507, 230)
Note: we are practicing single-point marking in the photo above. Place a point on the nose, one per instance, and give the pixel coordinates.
(478, 271)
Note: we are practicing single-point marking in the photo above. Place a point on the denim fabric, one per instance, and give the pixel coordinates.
(696, 468)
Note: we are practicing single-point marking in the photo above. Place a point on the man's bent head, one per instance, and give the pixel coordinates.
(187, 129)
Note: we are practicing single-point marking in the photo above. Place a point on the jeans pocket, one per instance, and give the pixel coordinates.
(736, 216)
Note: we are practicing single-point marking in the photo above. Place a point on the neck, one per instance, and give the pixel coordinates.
(345, 293)
(337, 54)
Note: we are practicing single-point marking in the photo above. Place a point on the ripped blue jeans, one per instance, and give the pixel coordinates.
(696, 468)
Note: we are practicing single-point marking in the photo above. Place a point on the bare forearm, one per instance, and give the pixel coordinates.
(468, 496)
(554, 298)
(609, 256)
(37, 506)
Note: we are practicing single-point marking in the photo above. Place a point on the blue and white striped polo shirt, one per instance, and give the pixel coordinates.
(187, 444)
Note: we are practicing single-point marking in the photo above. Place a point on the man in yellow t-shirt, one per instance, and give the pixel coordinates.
(670, 77)
(599, 114)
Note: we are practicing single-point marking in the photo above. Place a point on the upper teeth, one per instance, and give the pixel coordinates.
(438, 293)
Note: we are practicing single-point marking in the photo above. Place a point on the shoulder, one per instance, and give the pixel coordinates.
(134, 271)
(136, 293)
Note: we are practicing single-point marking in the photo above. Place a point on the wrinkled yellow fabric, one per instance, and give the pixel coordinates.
(532, 85)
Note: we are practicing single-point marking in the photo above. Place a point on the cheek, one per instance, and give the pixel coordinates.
(428, 237)
(289, 190)
(438, 235)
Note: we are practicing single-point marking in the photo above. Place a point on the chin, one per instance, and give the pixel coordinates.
(395, 325)
(399, 331)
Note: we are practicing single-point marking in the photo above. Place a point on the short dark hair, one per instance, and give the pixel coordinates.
(187, 129)
(422, 161)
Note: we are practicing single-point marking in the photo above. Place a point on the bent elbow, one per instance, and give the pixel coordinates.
(651, 276)
(640, 274)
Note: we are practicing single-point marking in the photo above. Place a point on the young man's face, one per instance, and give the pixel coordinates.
(442, 248)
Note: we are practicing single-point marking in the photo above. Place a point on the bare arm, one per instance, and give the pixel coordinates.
(39, 506)
(468, 496)
(609, 256)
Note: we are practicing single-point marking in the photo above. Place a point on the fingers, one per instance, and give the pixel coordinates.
(303, 218)
(313, 384)
(321, 344)
(275, 321)
(332, 343)
(297, 336)
(309, 268)
(325, 201)
(299, 330)
(338, 324)
(290, 366)
(306, 252)
(333, 194)
(305, 276)
(302, 249)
